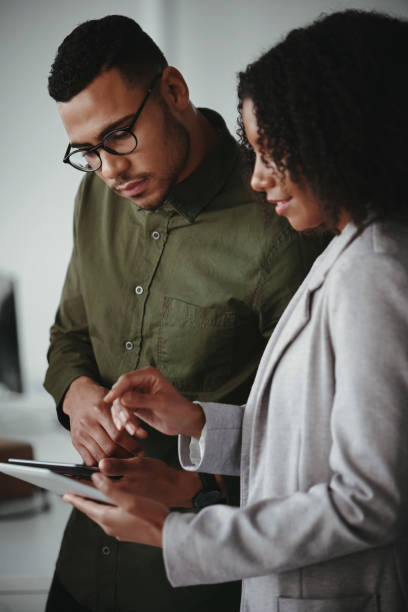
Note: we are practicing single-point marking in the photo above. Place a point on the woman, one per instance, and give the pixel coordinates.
(321, 445)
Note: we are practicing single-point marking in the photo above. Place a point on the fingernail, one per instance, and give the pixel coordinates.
(131, 429)
(123, 416)
(118, 424)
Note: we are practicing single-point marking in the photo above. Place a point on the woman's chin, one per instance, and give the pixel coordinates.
(301, 224)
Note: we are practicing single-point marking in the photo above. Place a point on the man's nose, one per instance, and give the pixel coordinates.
(112, 165)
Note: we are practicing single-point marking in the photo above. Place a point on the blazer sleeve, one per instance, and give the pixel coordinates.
(222, 447)
(364, 504)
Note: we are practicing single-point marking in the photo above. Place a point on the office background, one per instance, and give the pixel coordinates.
(208, 41)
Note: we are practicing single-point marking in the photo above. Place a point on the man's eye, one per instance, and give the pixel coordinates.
(116, 137)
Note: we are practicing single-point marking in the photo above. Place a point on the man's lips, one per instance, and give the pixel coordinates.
(280, 205)
(131, 189)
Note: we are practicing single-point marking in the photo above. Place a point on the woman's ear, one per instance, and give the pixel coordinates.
(174, 90)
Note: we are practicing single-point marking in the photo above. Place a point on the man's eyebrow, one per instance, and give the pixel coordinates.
(104, 132)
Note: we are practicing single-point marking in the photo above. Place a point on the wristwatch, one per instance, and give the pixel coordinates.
(210, 494)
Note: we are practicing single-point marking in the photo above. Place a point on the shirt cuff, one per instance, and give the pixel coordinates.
(197, 449)
(191, 451)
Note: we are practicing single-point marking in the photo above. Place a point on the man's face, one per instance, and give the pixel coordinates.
(145, 175)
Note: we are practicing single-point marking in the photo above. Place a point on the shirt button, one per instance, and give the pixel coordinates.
(106, 550)
(129, 345)
(139, 290)
(155, 235)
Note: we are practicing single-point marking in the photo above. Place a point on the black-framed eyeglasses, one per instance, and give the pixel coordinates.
(120, 141)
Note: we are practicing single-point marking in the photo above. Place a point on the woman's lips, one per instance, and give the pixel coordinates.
(281, 206)
(132, 189)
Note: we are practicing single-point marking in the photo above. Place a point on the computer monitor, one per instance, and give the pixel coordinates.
(10, 365)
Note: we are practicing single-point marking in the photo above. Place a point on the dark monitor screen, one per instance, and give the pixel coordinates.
(10, 370)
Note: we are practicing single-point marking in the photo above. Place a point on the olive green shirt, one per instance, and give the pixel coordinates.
(193, 288)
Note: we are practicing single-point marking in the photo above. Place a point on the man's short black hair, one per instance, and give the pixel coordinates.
(113, 41)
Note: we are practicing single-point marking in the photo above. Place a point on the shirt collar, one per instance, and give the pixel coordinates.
(192, 195)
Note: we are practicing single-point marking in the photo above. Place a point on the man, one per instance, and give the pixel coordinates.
(174, 265)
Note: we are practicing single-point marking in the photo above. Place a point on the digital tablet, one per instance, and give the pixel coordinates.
(47, 479)
(73, 470)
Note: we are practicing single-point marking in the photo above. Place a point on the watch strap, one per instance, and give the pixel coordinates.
(210, 494)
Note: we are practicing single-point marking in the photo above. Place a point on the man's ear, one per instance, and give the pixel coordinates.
(174, 90)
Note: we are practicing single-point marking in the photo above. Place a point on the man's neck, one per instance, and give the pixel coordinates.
(203, 137)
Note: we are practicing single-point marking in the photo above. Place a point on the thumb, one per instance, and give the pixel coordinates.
(114, 467)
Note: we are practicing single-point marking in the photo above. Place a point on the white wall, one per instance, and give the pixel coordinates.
(208, 41)
(36, 189)
(212, 40)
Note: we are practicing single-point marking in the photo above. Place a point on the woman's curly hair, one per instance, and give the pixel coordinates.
(331, 103)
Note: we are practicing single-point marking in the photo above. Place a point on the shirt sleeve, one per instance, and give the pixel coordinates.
(364, 504)
(70, 353)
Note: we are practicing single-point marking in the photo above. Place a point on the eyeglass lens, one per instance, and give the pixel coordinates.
(119, 141)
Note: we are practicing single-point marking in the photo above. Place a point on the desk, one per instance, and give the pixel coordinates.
(29, 546)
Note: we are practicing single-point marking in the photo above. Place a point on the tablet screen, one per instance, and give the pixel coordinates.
(47, 479)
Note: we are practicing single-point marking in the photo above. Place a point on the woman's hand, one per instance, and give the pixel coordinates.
(125, 419)
(152, 478)
(147, 395)
(133, 519)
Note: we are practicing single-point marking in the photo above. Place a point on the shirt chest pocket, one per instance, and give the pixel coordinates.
(196, 345)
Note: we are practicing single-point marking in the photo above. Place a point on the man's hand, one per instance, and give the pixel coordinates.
(152, 398)
(134, 519)
(93, 432)
(147, 477)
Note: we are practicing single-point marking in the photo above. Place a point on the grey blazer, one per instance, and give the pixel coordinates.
(321, 446)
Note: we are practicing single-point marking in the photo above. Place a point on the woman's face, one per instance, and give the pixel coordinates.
(291, 200)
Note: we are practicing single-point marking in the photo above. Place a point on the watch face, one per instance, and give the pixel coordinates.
(207, 498)
(212, 497)
(210, 493)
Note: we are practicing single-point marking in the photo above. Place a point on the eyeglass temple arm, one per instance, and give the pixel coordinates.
(65, 159)
(148, 92)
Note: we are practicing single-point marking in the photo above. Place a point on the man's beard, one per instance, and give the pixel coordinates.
(176, 142)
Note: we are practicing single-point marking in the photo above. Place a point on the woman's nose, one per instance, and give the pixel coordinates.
(262, 177)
